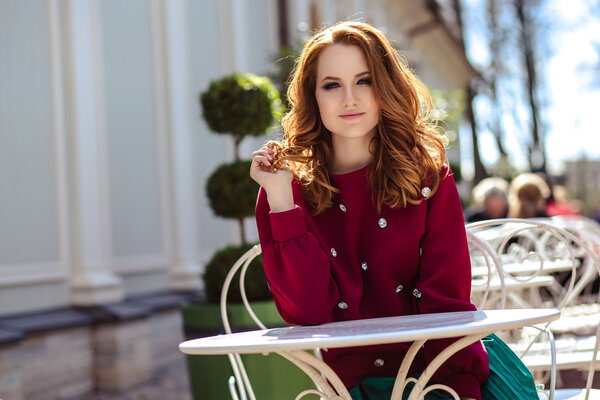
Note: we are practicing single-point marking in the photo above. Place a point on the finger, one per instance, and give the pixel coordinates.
(263, 153)
(268, 149)
(261, 160)
(265, 149)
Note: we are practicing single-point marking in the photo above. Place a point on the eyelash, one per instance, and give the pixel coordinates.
(361, 81)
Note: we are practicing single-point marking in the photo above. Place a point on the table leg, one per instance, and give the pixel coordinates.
(400, 382)
(419, 391)
(320, 373)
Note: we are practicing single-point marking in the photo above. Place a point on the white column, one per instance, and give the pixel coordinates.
(359, 9)
(240, 20)
(234, 58)
(226, 37)
(234, 21)
(92, 282)
(330, 12)
(182, 230)
(299, 24)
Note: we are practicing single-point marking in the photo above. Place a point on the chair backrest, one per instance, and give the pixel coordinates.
(239, 384)
(241, 265)
(240, 379)
(532, 251)
(488, 284)
(563, 250)
(589, 232)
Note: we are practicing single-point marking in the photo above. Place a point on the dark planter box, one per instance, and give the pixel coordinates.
(272, 376)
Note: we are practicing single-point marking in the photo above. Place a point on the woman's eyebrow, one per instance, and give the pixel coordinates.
(333, 78)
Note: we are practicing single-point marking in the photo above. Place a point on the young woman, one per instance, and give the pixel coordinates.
(358, 214)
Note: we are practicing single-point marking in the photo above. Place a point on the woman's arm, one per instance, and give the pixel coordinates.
(298, 269)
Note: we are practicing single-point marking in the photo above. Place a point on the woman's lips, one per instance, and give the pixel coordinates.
(351, 116)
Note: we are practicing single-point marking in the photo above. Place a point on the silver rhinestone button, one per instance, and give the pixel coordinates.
(379, 362)
(416, 293)
(382, 223)
(399, 288)
(426, 191)
(364, 266)
(420, 251)
(343, 207)
(333, 252)
(342, 305)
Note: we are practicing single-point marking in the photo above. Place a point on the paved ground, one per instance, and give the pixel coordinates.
(170, 383)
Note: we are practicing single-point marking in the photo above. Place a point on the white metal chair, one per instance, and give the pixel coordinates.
(489, 286)
(239, 384)
(240, 378)
(546, 244)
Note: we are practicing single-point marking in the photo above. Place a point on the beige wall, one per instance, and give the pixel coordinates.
(104, 155)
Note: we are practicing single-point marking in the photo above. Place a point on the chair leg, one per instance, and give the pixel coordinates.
(232, 389)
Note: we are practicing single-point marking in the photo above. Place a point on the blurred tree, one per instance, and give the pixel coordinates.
(517, 42)
(285, 60)
(594, 69)
(495, 39)
(471, 92)
(525, 9)
(449, 106)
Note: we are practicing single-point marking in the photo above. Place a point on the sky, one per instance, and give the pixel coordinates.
(572, 105)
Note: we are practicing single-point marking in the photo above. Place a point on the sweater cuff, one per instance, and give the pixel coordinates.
(287, 225)
(464, 384)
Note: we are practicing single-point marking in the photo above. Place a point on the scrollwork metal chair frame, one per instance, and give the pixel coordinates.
(543, 240)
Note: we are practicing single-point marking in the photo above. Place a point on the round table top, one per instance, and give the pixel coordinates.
(406, 328)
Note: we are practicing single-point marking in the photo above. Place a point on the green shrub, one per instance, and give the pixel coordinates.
(241, 104)
(231, 191)
(218, 268)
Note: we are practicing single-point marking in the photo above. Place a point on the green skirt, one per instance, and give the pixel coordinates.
(509, 379)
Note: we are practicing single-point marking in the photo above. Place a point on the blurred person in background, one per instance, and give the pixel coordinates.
(527, 196)
(489, 200)
(561, 204)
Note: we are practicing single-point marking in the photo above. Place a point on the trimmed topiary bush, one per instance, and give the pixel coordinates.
(218, 268)
(231, 191)
(240, 105)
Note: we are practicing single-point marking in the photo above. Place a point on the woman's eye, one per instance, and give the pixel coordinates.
(364, 81)
(331, 85)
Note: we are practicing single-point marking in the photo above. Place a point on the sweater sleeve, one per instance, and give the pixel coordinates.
(298, 269)
(445, 285)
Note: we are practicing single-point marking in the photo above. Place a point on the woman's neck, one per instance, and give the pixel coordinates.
(350, 155)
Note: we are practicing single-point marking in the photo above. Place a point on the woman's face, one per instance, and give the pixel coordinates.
(344, 93)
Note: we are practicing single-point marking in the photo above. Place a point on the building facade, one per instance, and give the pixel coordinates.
(105, 154)
(582, 180)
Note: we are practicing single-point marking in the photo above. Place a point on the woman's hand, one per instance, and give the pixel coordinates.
(277, 183)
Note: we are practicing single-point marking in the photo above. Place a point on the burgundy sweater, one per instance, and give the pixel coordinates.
(351, 263)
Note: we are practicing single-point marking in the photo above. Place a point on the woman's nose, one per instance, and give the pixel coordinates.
(350, 99)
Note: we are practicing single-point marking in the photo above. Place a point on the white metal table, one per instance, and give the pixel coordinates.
(527, 267)
(291, 342)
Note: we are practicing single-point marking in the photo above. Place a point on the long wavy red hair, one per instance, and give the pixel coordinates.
(407, 148)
